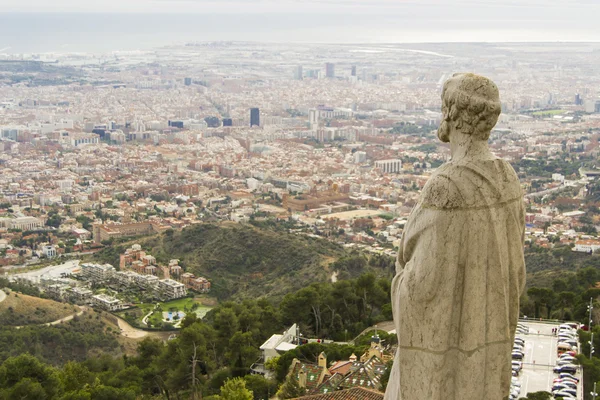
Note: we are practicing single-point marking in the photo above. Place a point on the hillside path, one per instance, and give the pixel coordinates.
(58, 321)
(2, 296)
(68, 317)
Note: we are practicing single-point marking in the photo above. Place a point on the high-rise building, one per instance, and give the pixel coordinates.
(298, 73)
(254, 117)
(360, 157)
(353, 73)
(578, 100)
(227, 122)
(330, 70)
(187, 81)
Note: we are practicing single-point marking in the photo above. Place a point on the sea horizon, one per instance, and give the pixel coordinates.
(77, 32)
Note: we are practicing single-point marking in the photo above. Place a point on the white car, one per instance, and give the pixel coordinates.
(564, 385)
(568, 393)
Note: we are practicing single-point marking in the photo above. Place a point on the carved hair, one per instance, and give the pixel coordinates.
(472, 102)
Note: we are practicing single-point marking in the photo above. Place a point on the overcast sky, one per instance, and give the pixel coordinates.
(466, 9)
(320, 20)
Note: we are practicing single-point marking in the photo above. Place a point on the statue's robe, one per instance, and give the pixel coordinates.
(459, 275)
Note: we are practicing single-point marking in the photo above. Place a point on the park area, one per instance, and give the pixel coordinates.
(166, 315)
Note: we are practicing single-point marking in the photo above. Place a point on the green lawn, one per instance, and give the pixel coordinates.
(185, 304)
(548, 112)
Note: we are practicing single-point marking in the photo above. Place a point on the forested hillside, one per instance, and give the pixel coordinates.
(204, 355)
(82, 337)
(243, 261)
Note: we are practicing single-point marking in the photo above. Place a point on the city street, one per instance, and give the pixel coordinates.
(540, 358)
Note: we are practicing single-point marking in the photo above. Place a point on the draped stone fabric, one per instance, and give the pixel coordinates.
(459, 274)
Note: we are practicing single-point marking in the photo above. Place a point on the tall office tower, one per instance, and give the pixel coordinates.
(330, 70)
(578, 100)
(187, 81)
(298, 73)
(254, 117)
(227, 122)
(353, 73)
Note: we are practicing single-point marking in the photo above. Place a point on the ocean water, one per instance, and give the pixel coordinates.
(104, 32)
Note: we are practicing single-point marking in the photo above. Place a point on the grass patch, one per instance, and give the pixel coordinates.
(548, 113)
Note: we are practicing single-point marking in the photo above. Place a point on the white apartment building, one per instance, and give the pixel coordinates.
(106, 302)
(389, 166)
(146, 281)
(360, 157)
(83, 138)
(65, 185)
(81, 295)
(172, 289)
(97, 272)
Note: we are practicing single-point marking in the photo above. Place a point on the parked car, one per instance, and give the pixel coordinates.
(570, 368)
(567, 375)
(566, 393)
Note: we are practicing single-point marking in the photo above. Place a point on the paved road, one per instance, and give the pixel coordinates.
(2, 296)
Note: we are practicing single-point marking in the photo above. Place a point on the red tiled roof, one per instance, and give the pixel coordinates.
(356, 393)
(340, 367)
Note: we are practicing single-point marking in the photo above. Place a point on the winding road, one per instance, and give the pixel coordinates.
(129, 331)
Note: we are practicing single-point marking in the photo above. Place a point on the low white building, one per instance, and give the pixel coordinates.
(49, 251)
(587, 246)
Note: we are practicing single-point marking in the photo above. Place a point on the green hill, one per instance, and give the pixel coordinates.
(20, 309)
(245, 261)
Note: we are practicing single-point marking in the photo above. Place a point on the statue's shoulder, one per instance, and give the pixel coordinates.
(471, 184)
(441, 190)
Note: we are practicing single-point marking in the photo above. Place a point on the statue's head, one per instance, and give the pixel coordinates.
(471, 104)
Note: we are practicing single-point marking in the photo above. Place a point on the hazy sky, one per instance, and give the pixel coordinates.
(303, 20)
(456, 9)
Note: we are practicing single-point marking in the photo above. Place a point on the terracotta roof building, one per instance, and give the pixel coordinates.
(356, 393)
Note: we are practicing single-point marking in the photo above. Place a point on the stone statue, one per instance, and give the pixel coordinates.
(460, 268)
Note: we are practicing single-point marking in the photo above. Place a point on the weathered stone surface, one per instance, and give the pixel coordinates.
(460, 267)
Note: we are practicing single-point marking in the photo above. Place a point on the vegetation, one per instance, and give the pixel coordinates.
(76, 340)
(406, 128)
(243, 261)
(203, 360)
(20, 309)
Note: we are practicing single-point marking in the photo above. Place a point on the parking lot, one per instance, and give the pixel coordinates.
(540, 358)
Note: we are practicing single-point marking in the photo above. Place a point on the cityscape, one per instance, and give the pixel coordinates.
(193, 201)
